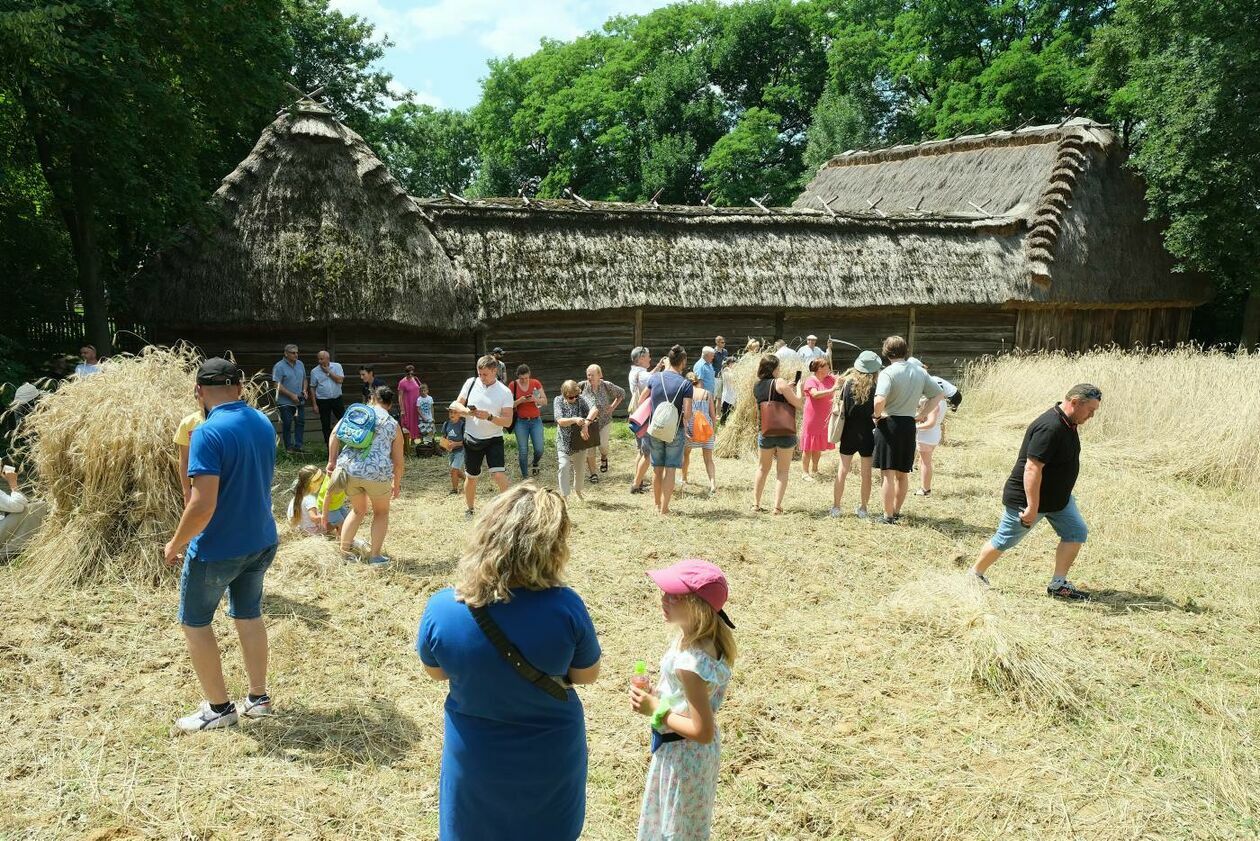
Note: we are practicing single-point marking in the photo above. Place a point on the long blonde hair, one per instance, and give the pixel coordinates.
(521, 540)
(705, 626)
(861, 384)
(301, 487)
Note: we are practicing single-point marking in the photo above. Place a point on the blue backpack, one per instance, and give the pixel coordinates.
(357, 427)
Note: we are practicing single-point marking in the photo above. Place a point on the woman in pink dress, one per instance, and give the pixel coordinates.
(817, 390)
(408, 391)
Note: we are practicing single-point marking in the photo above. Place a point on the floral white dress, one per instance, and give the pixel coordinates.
(682, 779)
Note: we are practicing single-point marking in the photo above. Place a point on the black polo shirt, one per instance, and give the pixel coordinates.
(1051, 439)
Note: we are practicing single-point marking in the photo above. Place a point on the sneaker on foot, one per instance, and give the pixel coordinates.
(534, 470)
(923, 492)
(378, 561)
(861, 513)
(636, 489)
(469, 514)
(206, 718)
(1064, 589)
(453, 492)
(260, 708)
(593, 478)
(888, 521)
(835, 512)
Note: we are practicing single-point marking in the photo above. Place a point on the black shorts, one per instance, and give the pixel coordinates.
(477, 450)
(894, 444)
(858, 439)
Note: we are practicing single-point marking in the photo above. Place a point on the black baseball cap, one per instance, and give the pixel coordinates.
(219, 371)
(497, 350)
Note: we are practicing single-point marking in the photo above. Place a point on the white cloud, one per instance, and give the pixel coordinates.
(398, 92)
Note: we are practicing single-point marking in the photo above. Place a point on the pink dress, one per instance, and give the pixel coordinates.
(408, 391)
(817, 412)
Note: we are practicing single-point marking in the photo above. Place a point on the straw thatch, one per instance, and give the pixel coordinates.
(1086, 236)
(310, 227)
(104, 461)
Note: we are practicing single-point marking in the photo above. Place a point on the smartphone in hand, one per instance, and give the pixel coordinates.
(797, 378)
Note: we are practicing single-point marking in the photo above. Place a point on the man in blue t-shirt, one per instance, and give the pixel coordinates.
(230, 535)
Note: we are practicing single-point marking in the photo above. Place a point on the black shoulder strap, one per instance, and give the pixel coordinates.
(550, 684)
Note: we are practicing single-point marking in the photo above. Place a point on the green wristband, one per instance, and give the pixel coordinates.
(658, 717)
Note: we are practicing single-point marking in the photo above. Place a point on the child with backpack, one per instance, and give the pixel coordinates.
(700, 430)
(453, 442)
(695, 672)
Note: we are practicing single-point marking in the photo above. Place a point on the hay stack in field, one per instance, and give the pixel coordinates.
(104, 460)
(739, 434)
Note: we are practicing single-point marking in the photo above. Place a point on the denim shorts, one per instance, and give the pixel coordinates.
(337, 516)
(671, 454)
(644, 443)
(202, 583)
(1068, 524)
(776, 442)
(455, 458)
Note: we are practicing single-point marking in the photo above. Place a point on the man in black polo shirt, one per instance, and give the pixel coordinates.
(1041, 485)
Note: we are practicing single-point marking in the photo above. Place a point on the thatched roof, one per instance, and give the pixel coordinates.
(1087, 239)
(568, 255)
(310, 227)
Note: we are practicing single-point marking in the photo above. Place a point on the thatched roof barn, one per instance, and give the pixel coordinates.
(974, 245)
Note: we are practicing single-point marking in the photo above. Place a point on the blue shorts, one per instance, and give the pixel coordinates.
(338, 515)
(202, 583)
(455, 458)
(776, 442)
(644, 443)
(1068, 524)
(671, 454)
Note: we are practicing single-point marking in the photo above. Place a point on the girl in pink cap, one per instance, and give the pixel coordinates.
(695, 671)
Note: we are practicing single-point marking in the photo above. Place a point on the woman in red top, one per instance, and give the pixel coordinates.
(528, 395)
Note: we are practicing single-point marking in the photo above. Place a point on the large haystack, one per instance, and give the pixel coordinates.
(739, 434)
(104, 460)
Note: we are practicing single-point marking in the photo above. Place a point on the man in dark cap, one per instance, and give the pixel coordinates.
(497, 353)
(1040, 485)
(230, 535)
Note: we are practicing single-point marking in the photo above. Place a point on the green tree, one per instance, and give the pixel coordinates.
(1182, 79)
(839, 123)
(428, 150)
(752, 161)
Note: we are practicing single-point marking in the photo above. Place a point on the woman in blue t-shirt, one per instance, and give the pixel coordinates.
(513, 755)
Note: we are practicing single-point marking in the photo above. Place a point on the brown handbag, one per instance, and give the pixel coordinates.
(777, 417)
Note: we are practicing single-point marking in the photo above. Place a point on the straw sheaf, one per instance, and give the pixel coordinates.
(310, 227)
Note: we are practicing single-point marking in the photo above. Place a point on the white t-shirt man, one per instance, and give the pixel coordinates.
(493, 398)
(809, 354)
(785, 352)
(83, 369)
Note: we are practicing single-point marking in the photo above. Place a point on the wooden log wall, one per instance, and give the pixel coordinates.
(946, 338)
(1082, 329)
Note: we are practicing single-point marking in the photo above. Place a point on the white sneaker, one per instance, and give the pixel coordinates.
(206, 719)
(255, 709)
(835, 512)
(861, 513)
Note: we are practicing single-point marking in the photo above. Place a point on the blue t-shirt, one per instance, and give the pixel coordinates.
(666, 385)
(704, 371)
(513, 757)
(291, 376)
(719, 360)
(453, 431)
(237, 444)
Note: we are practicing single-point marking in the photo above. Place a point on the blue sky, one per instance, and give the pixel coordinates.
(441, 46)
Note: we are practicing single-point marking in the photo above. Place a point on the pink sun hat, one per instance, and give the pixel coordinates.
(693, 575)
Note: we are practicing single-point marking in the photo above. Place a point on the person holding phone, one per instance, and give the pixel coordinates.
(775, 444)
(528, 398)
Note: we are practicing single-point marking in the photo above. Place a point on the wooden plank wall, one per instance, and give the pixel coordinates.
(946, 338)
(1082, 329)
(558, 346)
(694, 329)
(866, 328)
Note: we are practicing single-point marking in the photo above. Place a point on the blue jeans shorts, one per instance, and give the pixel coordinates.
(202, 583)
(644, 443)
(338, 515)
(671, 454)
(455, 458)
(776, 442)
(1068, 524)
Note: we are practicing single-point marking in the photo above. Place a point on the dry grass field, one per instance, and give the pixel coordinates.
(876, 696)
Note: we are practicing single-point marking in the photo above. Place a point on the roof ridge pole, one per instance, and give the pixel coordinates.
(825, 206)
(653, 201)
(456, 197)
(979, 207)
(759, 204)
(874, 205)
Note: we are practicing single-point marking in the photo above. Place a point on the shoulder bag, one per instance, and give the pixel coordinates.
(776, 417)
(556, 687)
(839, 405)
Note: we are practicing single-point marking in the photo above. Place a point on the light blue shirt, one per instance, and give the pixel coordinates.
(291, 376)
(325, 386)
(704, 370)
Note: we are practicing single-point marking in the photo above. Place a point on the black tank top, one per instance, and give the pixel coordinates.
(765, 391)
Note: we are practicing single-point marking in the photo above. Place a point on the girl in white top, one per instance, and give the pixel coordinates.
(929, 436)
(304, 511)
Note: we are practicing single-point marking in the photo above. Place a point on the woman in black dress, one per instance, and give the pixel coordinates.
(857, 395)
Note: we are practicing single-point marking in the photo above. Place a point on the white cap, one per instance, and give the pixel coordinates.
(811, 338)
(25, 394)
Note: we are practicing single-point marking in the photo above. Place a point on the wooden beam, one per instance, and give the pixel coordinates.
(911, 330)
(779, 318)
(638, 326)
(479, 342)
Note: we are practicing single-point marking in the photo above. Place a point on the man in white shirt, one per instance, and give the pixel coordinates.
(782, 350)
(325, 384)
(19, 517)
(810, 350)
(90, 364)
(486, 406)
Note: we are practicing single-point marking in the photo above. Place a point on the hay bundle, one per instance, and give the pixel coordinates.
(739, 434)
(1010, 656)
(102, 452)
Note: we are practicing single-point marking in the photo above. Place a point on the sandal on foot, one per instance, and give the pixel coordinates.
(603, 464)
